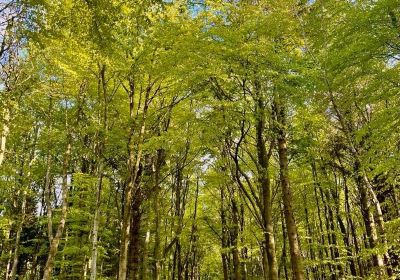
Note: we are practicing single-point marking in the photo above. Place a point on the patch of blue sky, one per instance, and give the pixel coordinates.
(66, 103)
(393, 61)
(196, 7)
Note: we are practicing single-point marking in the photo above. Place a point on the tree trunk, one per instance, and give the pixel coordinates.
(351, 230)
(266, 193)
(243, 251)
(191, 253)
(125, 234)
(144, 259)
(310, 243)
(234, 234)
(284, 235)
(18, 238)
(4, 133)
(157, 240)
(224, 236)
(179, 212)
(368, 217)
(157, 165)
(317, 187)
(93, 267)
(47, 196)
(132, 187)
(380, 222)
(100, 165)
(134, 252)
(48, 189)
(60, 229)
(23, 181)
(295, 254)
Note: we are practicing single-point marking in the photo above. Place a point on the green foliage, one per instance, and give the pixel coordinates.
(173, 100)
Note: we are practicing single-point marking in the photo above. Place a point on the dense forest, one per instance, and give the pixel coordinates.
(208, 139)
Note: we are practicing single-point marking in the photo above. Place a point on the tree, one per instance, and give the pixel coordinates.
(199, 140)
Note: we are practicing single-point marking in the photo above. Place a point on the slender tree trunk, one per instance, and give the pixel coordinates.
(60, 229)
(47, 197)
(4, 134)
(380, 223)
(265, 186)
(330, 226)
(13, 273)
(145, 253)
(190, 255)
(330, 254)
(284, 236)
(22, 181)
(320, 224)
(96, 220)
(157, 240)
(295, 254)
(224, 236)
(350, 235)
(8, 267)
(346, 242)
(125, 233)
(369, 221)
(234, 237)
(310, 242)
(48, 189)
(5, 253)
(243, 252)
(103, 120)
(157, 165)
(179, 212)
(334, 247)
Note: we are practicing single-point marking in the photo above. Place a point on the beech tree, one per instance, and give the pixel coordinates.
(199, 139)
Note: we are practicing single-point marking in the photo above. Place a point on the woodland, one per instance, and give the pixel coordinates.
(199, 140)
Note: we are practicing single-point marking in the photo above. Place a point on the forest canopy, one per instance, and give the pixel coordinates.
(207, 139)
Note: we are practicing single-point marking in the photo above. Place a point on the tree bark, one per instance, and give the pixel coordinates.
(4, 134)
(100, 167)
(157, 241)
(190, 263)
(60, 229)
(96, 220)
(145, 253)
(134, 250)
(13, 273)
(48, 190)
(284, 235)
(47, 197)
(224, 236)
(132, 187)
(295, 254)
(265, 186)
(234, 238)
(368, 216)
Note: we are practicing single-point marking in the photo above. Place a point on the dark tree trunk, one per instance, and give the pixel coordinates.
(134, 255)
